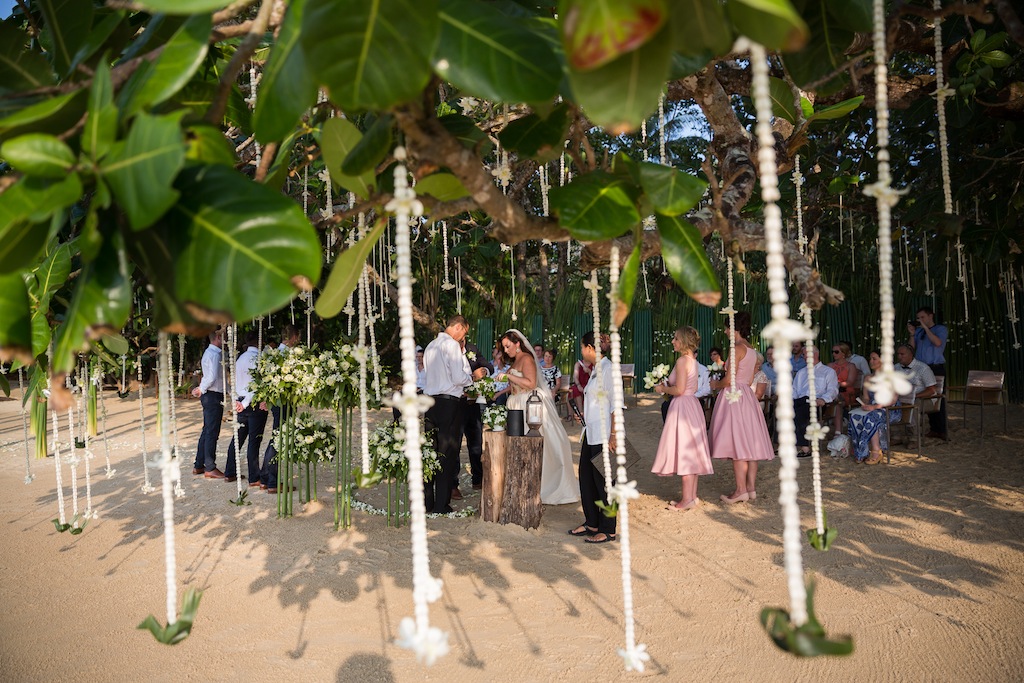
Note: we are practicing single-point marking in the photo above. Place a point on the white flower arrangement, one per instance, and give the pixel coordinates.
(656, 376)
(387, 449)
(310, 439)
(484, 387)
(494, 417)
(470, 356)
(326, 379)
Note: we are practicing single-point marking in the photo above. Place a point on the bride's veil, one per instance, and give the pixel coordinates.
(528, 348)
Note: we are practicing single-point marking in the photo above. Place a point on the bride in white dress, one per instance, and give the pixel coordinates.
(558, 481)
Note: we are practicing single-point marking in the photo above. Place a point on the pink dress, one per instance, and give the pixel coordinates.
(683, 448)
(738, 430)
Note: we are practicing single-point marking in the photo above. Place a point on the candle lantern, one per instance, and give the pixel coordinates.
(534, 413)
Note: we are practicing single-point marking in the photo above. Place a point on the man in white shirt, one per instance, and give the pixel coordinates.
(859, 361)
(210, 393)
(268, 473)
(252, 419)
(447, 372)
(919, 374)
(597, 527)
(826, 386)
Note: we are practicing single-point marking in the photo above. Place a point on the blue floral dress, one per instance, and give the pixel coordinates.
(865, 424)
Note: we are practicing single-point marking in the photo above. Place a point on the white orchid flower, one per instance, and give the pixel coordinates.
(635, 657)
(429, 646)
(623, 492)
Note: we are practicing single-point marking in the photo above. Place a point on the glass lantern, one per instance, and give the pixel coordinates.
(534, 414)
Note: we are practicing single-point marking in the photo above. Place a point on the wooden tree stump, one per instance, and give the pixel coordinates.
(520, 504)
(494, 475)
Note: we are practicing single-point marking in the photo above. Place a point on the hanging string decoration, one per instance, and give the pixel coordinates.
(24, 427)
(232, 344)
(179, 490)
(512, 267)
(732, 394)
(147, 486)
(798, 183)
(103, 421)
(447, 284)
(61, 522)
(818, 537)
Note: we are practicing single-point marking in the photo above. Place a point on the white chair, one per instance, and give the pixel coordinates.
(628, 377)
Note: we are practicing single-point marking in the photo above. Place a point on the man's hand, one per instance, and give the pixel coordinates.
(480, 373)
(239, 407)
(263, 406)
(911, 329)
(196, 393)
(820, 402)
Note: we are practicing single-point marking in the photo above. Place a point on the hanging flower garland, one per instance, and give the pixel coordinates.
(179, 490)
(61, 521)
(428, 642)
(362, 356)
(232, 344)
(512, 266)
(147, 486)
(798, 183)
(98, 378)
(819, 537)
(732, 394)
(24, 427)
(446, 285)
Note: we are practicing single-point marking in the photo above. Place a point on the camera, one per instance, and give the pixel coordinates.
(914, 323)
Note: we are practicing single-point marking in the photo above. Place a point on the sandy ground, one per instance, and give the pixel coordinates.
(926, 575)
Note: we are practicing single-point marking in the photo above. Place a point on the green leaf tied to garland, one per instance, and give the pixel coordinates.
(822, 541)
(367, 480)
(808, 640)
(172, 634)
(609, 509)
(241, 500)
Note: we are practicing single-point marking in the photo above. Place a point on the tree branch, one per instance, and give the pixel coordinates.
(215, 114)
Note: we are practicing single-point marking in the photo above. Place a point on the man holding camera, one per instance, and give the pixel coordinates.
(928, 340)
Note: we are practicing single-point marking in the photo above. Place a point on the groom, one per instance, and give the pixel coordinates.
(447, 371)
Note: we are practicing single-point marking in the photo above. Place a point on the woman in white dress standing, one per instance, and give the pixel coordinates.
(558, 481)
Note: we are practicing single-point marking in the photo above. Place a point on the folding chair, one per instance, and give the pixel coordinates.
(983, 388)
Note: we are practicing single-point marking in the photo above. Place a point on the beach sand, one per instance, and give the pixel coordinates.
(927, 573)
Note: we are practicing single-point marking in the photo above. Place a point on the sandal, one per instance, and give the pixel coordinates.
(582, 530)
(606, 539)
(874, 458)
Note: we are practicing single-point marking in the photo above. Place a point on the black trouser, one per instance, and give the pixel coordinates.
(473, 428)
(801, 418)
(268, 474)
(664, 409)
(213, 411)
(592, 489)
(251, 423)
(937, 420)
(445, 418)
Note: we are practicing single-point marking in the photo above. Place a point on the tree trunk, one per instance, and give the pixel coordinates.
(494, 475)
(524, 456)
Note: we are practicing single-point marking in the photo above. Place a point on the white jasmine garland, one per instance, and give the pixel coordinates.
(815, 432)
(446, 285)
(232, 344)
(798, 183)
(103, 422)
(179, 490)
(167, 472)
(732, 394)
(147, 486)
(24, 427)
(73, 460)
(56, 463)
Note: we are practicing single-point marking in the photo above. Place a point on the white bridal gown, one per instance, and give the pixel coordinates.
(558, 481)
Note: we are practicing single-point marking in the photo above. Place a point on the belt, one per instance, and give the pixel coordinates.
(446, 397)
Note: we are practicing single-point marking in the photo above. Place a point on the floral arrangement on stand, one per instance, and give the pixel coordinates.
(716, 370)
(483, 390)
(387, 448)
(494, 417)
(312, 441)
(656, 376)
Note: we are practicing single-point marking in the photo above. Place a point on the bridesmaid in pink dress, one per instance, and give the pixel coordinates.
(683, 449)
(738, 430)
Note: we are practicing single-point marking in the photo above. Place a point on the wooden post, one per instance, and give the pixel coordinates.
(524, 457)
(494, 475)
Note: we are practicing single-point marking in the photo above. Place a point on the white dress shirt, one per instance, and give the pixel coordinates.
(861, 363)
(920, 375)
(826, 383)
(592, 406)
(243, 375)
(446, 367)
(213, 378)
(703, 381)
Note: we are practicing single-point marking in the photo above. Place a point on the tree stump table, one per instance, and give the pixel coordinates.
(493, 489)
(520, 503)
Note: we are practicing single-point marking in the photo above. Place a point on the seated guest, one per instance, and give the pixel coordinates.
(860, 362)
(768, 367)
(826, 386)
(799, 357)
(848, 375)
(867, 422)
(552, 374)
(919, 374)
(760, 383)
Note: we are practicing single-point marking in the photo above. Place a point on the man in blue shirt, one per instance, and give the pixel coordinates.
(928, 340)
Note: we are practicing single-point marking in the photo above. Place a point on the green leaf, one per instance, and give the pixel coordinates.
(773, 23)
(367, 480)
(783, 104)
(687, 261)
(5, 386)
(595, 206)
(345, 274)
(172, 634)
(237, 249)
(39, 154)
(444, 187)
(371, 54)
(141, 168)
(62, 30)
(608, 509)
(670, 191)
(337, 138)
(197, 96)
(539, 138)
(621, 94)
(287, 88)
(181, 6)
(823, 54)
(49, 115)
(836, 111)
(822, 541)
(51, 275)
(597, 32)
(808, 640)
(627, 287)
(41, 333)
(16, 330)
(100, 305)
(996, 58)
(109, 26)
(23, 208)
(101, 119)
(181, 58)
(371, 148)
(699, 25)
(21, 68)
(467, 132)
(981, 42)
(115, 343)
(687, 65)
(206, 144)
(490, 55)
(853, 15)
(61, 528)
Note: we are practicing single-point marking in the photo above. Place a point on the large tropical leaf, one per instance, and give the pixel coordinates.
(21, 69)
(53, 115)
(237, 248)
(442, 186)
(206, 144)
(101, 118)
(463, 128)
(179, 60)
(100, 305)
(371, 148)
(824, 52)
(488, 54)
(182, 6)
(773, 23)
(670, 191)
(836, 111)
(141, 168)
(540, 138)
(699, 26)
(287, 88)
(371, 54)
(595, 206)
(623, 294)
(51, 275)
(39, 154)
(337, 139)
(66, 27)
(23, 209)
(16, 330)
(346, 271)
(597, 32)
(621, 94)
(687, 261)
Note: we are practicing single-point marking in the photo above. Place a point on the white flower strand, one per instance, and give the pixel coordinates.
(887, 384)
(781, 331)
(941, 93)
(29, 476)
(661, 130)
(602, 391)
(179, 490)
(305, 190)
(56, 462)
(232, 345)
(512, 267)
(251, 100)
(429, 643)
(733, 394)
(168, 472)
(109, 472)
(798, 183)
(73, 461)
(815, 431)
(374, 358)
(361, 355)
(447, 284)
(181, 357)
(124, 378)
(147, 486)
(633, 654)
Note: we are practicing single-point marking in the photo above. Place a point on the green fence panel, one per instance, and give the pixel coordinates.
(705, 321)
(485, 336)
(535, 329)
(643, 344)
